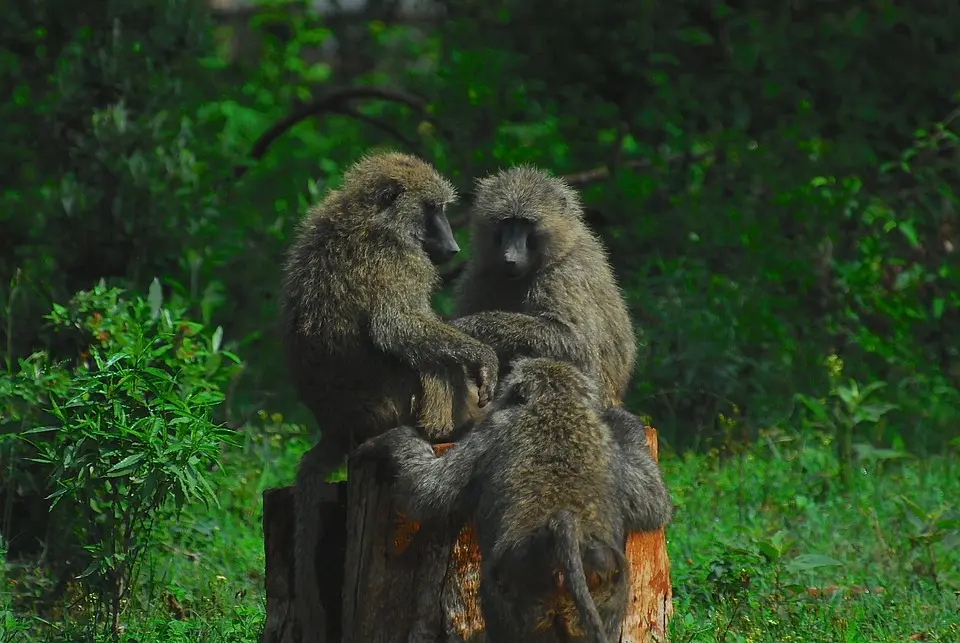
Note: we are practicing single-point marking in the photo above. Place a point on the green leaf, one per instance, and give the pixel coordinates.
(206, 398)
(938, 305)
(913, 508)
(91, 568)
(948, 524)
(125, 466)
(816, 407)
(806, 562)
(116, 357)
(217, 338)
(906, 227)
(155, 298)
(40, 429)
(770, 551)
(884, 454)
(316, 73)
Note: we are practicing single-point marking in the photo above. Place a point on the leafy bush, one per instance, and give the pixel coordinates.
(127, 437)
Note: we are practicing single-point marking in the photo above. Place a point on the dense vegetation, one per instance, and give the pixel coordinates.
(776, 184)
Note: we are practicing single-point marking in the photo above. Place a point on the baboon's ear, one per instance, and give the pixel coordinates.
(384, 193)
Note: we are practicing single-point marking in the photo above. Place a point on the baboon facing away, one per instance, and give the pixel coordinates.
(359, 331)
(538, 282)
(551, 489)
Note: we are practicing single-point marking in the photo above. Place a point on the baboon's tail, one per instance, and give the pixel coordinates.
(564, 528)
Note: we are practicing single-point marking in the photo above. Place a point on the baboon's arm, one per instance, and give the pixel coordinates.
(516, 334)
(643, 495)
(426, 485)
(423, 341)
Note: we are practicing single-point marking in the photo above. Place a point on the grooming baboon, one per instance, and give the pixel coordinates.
(360, 334)
(538, 282)
(553, 486)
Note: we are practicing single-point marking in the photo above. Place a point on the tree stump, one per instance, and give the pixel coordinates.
(282, 624)
(400, 588)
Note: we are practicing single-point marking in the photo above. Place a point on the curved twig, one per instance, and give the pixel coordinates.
(332, 101)
(597, 174)
(378, 124)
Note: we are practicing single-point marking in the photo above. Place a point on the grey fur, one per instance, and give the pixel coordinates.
(567, 305)
(542, 472)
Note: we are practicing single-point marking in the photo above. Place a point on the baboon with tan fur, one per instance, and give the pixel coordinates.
(365, 348)
(538, 282)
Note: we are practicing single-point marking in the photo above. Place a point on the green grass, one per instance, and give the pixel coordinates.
(764, 547)
(752, 538)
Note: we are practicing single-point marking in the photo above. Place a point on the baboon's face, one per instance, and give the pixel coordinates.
(523, 219)
(418, 217)
(422, 223)
(436, 238)
(518, 245)
(406, 197)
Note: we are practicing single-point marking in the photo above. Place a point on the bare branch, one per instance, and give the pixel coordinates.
(377, 123)
(597, 174)
(332, 101)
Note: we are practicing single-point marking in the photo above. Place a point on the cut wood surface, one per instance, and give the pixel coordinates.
(651, 599)
(406, 582)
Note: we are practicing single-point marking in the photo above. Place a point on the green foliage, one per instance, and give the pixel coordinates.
(847, 408)
(106, 177)
(131, 437)
(764, 548)
(782, 192)
(11, 625)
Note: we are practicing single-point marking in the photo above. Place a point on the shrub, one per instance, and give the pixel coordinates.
(121, 438)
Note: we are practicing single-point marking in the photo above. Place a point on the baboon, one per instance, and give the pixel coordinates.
(538, 282)
(553, 487)
(360, 334)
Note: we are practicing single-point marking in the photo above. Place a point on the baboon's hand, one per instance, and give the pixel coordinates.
(381, 449)
(484, 373)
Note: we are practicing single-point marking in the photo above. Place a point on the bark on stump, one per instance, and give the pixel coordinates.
(282, 624)
(400, 588)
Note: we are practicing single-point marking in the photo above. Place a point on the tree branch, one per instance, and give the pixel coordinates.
(333, 101)
(378, 124)
(597, 174)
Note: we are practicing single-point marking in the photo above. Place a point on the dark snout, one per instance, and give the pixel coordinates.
(446, 250)
(440, 244)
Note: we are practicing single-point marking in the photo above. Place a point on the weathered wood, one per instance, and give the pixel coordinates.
(282, 624)
(404, 582)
